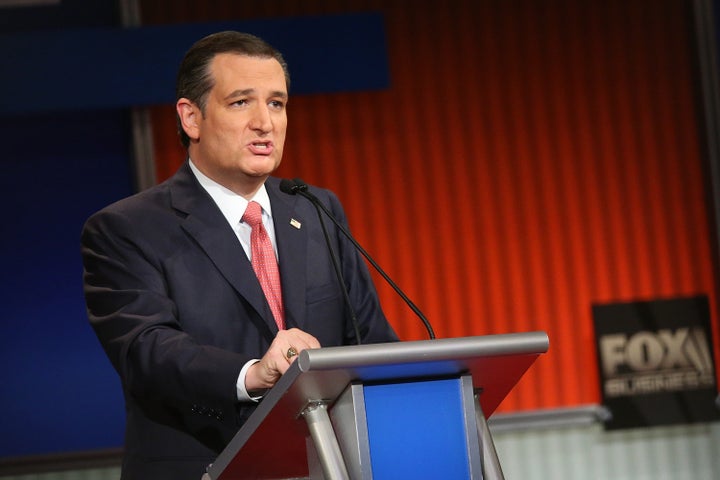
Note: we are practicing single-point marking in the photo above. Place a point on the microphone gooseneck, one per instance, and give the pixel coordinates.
(298, 187)
(292, 188)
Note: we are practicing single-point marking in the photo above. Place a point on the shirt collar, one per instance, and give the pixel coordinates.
(230, 203)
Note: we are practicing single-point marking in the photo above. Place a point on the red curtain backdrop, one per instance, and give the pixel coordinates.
(529, 159)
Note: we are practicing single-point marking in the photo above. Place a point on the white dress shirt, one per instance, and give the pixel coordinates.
(233, 208)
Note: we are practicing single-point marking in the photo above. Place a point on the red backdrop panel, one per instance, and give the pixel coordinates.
(530, 159)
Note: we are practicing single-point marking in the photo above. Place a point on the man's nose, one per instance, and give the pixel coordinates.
(260, 119)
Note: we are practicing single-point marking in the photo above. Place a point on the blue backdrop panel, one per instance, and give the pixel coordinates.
(59, 392)
(417, 430)
(115, 67)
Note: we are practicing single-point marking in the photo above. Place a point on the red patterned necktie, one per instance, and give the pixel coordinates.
(264, 262)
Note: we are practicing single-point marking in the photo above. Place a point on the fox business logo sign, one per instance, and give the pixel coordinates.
(654, 362)
(654, 359)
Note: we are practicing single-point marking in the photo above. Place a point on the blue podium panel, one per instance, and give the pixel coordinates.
(417, 430)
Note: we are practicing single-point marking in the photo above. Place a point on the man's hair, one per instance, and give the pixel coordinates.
(195, 80)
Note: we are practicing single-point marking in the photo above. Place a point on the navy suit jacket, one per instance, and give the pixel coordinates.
(178, 309)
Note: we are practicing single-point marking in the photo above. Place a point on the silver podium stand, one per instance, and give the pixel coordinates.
(383, 410)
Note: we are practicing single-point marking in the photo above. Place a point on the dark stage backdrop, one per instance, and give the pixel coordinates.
(529, 159)
(59, 393)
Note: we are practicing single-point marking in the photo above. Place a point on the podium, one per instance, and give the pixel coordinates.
(394, 410)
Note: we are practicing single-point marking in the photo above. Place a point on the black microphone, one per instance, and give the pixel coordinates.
(292, 188)
(298, 187)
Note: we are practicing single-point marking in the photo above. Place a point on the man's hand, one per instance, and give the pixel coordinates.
(275, 362)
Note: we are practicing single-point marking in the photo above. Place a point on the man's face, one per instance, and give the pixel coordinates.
(239, 140)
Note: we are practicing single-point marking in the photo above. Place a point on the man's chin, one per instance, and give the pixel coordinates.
(263, 169)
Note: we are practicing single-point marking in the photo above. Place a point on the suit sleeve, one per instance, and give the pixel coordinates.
(176, 380)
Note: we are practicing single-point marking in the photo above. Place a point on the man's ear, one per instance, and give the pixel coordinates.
(189, 115)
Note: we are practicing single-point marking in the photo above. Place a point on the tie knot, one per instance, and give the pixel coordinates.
(253, 214)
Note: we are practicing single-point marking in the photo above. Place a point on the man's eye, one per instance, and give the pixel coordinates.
(277, 104)
(240, 102)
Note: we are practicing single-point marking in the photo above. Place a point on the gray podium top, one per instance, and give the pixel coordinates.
(272, 443)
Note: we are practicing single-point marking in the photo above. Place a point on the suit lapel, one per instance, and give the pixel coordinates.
(291, 237)
(207, 225)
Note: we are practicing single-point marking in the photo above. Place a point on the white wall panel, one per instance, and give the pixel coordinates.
(689, 452)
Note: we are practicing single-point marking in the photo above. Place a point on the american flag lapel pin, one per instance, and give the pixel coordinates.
(295, 223)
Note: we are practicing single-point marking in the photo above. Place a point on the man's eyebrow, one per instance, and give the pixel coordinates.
(240, 93)
(250, 91)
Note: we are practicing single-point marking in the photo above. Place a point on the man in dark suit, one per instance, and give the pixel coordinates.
(170, 288)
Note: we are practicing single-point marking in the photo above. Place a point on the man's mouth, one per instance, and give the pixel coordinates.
(261, 148)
